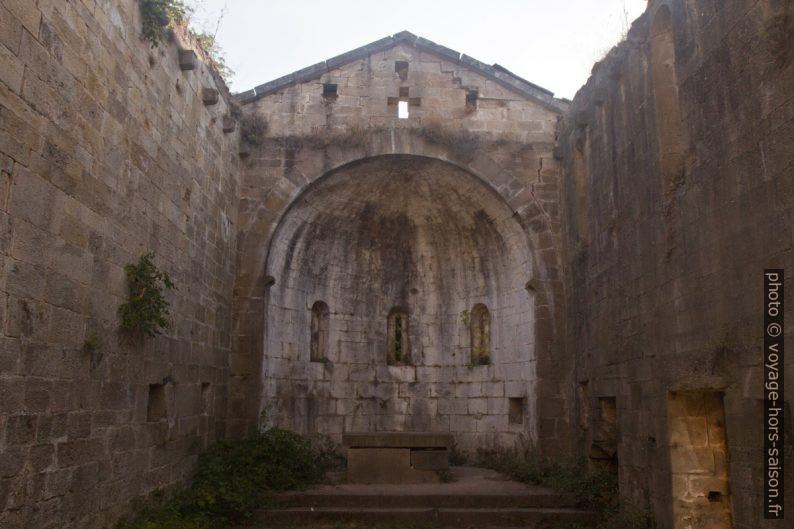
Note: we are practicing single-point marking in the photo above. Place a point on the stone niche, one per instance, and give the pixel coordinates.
(421, 268)
(699, 459)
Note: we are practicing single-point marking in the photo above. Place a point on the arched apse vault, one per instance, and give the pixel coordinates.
(400, 231)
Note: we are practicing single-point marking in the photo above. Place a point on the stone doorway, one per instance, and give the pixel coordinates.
(699, 460)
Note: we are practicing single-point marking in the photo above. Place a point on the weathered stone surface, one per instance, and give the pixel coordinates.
(99, 163)
(210, 96)
(415, 232)
(628, 279)
(665, 281)
(430, 459)
(385, 465)
(187, 59)
(229, 124)
(397, 440)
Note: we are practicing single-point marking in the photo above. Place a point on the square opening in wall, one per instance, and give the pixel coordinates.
(330, 91)
(155, 407)
(516, 409)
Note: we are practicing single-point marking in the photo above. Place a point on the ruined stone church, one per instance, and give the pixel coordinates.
(397, 239)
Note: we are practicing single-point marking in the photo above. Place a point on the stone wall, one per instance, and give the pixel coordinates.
(107, 151)
(346, 203)
(677, 194)
(626, 304)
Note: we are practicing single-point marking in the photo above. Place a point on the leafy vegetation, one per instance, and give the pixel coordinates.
(234, 479)
(157, 15)
(253, 128)
(215, 53)
(596, 490)
(146, 310)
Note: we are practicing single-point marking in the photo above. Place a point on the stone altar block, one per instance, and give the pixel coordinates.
(396, 457)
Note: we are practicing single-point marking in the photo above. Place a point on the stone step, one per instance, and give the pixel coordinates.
(427, 501)
(527, 518)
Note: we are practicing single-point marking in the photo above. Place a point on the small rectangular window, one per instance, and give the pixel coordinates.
(206, 398)
(155, 407)
(401, 68)
(471, 100)
(330, 91)
(402, 110)
(515, 413)
(404, 91)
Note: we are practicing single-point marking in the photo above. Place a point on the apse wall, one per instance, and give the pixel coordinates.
(343, 110)
(413, 235)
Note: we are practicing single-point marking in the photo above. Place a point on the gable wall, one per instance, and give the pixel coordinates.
(365, 85)
(507, 142)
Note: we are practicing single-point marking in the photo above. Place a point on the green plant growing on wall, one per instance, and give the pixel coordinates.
(215, 53)
(146, 310)
(157, 15)
(253, 128)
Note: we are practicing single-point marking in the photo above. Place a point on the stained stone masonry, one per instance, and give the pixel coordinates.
(406, 239)
(406, 229)
(107, 152)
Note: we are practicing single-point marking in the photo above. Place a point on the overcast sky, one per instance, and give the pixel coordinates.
(552, 43)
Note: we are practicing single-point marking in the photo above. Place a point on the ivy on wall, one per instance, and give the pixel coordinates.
(146, 310)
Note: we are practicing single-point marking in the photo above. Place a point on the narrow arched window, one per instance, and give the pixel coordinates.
(320, 332)
(399, 346)
(480, 335)
(669, 130)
